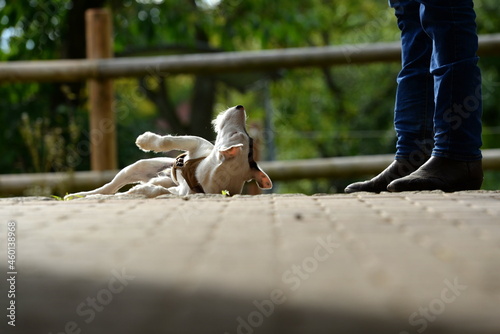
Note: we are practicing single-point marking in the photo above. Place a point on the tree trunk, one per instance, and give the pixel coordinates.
(74, 47)
(202, 105)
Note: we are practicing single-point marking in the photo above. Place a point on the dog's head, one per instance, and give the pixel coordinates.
(235, 147)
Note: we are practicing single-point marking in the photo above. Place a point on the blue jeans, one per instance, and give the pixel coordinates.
(438, 100)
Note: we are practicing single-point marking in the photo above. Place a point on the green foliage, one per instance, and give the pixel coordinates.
(49, 149)
(35, 28)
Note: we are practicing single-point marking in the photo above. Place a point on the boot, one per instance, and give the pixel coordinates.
(396, 170)
(442, 174)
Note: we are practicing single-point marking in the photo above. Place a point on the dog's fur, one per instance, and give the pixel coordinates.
(226, 165)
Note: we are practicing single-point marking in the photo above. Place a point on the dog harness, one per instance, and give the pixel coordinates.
(188, 169)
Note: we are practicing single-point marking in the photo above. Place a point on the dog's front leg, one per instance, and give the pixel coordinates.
(197, 146)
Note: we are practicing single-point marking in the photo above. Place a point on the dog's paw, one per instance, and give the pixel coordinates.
(148, 141)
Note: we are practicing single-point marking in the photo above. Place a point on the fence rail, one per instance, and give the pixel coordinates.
(84, 69)
(338, 167)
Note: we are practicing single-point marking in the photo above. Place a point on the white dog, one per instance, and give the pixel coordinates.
(203, 168)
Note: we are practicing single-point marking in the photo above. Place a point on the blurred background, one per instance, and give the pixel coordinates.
(296, 114)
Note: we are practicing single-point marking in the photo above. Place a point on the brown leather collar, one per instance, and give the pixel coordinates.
(188, 169)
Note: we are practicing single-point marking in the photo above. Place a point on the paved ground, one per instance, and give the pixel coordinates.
(424, 262)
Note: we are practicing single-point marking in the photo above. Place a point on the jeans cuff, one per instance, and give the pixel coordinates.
(457, 157)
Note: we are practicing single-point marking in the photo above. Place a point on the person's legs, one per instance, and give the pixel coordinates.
(457, 119)
(456, 157)
(414, 105)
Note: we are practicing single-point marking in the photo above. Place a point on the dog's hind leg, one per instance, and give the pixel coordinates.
(147, 189)
(140, 171)
(163, 181)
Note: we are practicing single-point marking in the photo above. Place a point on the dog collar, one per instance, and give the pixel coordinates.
(187, 169)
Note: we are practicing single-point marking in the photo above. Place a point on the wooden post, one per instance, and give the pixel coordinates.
(102, 119)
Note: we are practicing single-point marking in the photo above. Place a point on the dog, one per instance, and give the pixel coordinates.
(222, 167)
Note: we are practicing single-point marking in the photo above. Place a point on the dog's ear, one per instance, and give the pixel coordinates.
(230, 152)
(263, 181)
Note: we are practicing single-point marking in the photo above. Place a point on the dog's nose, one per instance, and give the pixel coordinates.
(239, 107)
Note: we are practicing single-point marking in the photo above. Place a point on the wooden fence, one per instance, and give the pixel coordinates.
(241, 61)
(337, 167)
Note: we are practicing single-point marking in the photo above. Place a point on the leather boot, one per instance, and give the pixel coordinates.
(396, 170)
(442, 174)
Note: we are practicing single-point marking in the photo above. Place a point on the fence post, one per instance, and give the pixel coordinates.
(99, 40)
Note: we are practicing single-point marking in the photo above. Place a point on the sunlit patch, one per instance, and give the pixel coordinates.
(208, 4)
(149, 2)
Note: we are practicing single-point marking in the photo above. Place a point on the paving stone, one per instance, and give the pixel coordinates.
(345, 263)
